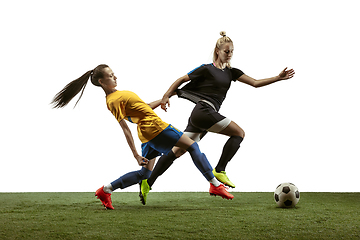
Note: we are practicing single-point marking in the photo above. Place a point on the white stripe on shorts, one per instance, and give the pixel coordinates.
(219, 126)
(193, 136)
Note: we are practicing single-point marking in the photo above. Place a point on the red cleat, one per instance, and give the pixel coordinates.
(105, 198)
(220, 191)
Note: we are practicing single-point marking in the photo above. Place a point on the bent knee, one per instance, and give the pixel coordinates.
(240, 132)
(178, 152)
(233, 130)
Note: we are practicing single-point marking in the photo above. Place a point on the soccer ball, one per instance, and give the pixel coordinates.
(286, 195)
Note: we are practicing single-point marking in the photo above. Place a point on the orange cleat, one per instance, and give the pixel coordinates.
(105, 198)
(220, 191)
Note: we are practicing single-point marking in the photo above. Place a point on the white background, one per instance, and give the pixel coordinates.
(304, 130)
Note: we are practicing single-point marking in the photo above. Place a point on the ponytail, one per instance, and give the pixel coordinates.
(63, 97)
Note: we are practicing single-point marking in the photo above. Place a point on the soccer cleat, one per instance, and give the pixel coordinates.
(144, 190)
(221, 176)
(220, 191)
(105, 198)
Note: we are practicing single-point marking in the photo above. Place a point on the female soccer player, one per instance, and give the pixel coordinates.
(207, 88)
(156, 136)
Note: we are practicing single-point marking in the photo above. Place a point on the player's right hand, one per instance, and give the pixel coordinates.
(142, 161)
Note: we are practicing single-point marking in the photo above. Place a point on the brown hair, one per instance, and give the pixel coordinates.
(63, 97)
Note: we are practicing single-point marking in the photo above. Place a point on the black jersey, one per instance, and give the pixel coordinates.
(209, 83)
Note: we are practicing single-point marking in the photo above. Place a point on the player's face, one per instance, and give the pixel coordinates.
(225, 52)
(109, 78)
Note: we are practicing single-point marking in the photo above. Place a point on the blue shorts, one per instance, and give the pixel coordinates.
(162, 143)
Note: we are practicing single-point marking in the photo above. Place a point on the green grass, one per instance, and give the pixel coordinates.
(178, 216)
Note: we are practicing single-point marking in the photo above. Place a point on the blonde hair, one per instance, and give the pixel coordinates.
(221, 41)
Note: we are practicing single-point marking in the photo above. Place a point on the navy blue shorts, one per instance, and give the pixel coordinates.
(162, 143)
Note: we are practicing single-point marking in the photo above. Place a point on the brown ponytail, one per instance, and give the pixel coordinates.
(63, 97)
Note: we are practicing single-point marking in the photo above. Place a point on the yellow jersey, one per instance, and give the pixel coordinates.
(127, 105)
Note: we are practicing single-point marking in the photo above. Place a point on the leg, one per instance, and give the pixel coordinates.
(165, 161)
(236, 135)
(198, 158)
(205, 168)
(131, 178)
(178, 152)
(233, 130)
(126, 180)
(196, 136)
(205, 117)
(150, 165)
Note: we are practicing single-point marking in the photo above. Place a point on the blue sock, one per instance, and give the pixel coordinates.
(131, 178)
(200, 161)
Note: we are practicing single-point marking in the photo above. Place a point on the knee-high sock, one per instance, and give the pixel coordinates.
(200, 161)
(131, 178)
(164, 162)
(229, 150)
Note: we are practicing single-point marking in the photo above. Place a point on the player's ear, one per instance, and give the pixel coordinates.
(101, 81)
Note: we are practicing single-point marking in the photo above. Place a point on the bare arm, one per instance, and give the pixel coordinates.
(155, 104)
(171, 91)
(129, 138)
(285, 74)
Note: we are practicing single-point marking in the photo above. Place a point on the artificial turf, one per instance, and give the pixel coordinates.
(177, 215)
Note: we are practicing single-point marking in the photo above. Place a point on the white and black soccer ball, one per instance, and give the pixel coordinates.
(286, 195)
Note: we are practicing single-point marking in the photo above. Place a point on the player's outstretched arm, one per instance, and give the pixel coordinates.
(129, 138)
(284, 75)
(171, 91)
(155, 104)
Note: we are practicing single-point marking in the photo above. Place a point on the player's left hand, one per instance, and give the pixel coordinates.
(286, 74)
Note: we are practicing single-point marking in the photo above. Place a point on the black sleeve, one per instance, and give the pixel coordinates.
(197, 73)
(236, 73)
